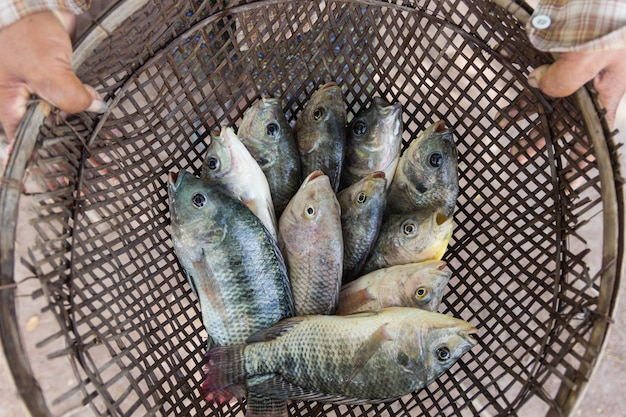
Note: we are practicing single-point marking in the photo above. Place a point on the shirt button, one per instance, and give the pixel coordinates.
(541, 21)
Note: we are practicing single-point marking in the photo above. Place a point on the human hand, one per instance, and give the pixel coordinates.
(36, 59)
(572, 70)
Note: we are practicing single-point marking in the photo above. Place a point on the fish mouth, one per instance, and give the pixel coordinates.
(387, 110)
(441, 219)
(269, 101)
(439, 126)
(471, 335)
(174, 179)
(378, 174)
(444, 132)
(314, 175)
(329, 85)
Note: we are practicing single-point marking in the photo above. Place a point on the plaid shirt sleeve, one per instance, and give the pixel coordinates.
(13, 10)
(578, 25)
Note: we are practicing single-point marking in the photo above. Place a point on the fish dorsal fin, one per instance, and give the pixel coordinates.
(367, 350)
(276, 330)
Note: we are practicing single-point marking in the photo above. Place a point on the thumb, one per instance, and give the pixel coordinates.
(610, 84)
(568, 73)
(63, 89)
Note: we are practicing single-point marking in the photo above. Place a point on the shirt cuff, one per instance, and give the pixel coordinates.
(12, 11)
(578, 25)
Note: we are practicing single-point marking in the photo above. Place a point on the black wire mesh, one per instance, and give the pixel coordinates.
(176, 70)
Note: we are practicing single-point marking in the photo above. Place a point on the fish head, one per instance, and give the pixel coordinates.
(307, 213)
(266, 123)
(426, 284)
(429, 343)
(315, 199)
(370, 190)
(193, 205)
(432, 167)
(424, 234)
(445, 339)
(324, 115)
(377, 122)
(218, 158)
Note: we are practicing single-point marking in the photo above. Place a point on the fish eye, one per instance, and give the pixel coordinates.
(443, 353)
(435, 159)
(408, 227)
(361, 198)
(272, 129)
(212, 163)
(318, 113)
(198, 200)
(359, 128)
(310, 211)
(421, 293)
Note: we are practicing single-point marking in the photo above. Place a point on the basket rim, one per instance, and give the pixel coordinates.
(568, 397)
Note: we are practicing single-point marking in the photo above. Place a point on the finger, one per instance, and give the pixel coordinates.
(13, 102)
(568, 73)
(62, 88)
(610, 84)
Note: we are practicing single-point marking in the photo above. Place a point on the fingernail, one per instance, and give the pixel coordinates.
(535, 75)
(98, 106)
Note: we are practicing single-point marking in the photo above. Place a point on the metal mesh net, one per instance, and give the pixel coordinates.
(173, 71)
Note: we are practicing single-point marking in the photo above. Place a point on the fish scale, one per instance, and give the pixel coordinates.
(365, 357)
(320, 133)
(265, 131)
(230, 259)
(310, 238)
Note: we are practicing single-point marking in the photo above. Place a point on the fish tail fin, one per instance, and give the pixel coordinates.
(224, 369)
(262, 406)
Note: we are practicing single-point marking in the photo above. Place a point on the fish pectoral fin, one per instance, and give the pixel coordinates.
(365, 352)
(362, 296)
(276, 330)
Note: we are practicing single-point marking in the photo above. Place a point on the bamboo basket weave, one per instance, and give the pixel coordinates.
(172, 71)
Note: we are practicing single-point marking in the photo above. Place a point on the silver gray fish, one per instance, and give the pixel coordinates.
(228, 163)
(364, 357)
(427, 175)
(373, 142)
(266, 133)
(410, 238)
(230, 259)
(362, 207)
(419, 285)
(310, 238)
(320, 132)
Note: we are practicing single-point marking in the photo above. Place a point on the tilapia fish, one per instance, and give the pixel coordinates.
(410, 238)
(362, 207)
(231, 262)
(227, 162)
(373, 142)
(419, 285)
(426, 176)
(320, 133)
(364, 357)
(309, 236)
(266, 133)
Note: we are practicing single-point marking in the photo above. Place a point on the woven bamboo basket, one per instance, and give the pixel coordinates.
(128, 323)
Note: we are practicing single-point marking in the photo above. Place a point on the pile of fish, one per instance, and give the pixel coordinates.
(315, 252)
